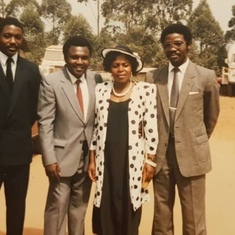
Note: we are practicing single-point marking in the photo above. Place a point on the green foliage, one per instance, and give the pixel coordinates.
(16, 7)
(37, 49)
(104, 40)
(77, 25)
(34, 32)
(207, 35)
(57, 12)
(153, 15)
(135, 23)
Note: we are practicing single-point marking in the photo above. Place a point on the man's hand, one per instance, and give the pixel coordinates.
(53, 171)
(91, 171)
(92, 166)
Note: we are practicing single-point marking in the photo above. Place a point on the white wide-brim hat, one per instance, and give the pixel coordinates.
(124, 50)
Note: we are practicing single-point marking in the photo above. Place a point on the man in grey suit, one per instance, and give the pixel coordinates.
(66, 118)
(188, 109)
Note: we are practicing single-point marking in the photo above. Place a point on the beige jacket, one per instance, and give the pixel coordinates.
(195, 119)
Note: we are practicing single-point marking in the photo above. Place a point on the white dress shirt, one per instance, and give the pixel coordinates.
(3, 60)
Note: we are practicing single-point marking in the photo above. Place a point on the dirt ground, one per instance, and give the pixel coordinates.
(220, 197)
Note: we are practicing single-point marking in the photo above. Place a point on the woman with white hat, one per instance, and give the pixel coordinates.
(125, 129)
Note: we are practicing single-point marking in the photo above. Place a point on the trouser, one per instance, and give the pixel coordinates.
(67, 201)
(15, 180)
(191, 194)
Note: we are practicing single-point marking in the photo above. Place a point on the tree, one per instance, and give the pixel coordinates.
(16, 7)
(207, 35)
(104, 40)
(230, 34)
(77, 25)
(154, 15)
(2, 8)
(57, 12)
(34, 33)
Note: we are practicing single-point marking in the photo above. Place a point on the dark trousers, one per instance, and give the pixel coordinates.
(15, 180)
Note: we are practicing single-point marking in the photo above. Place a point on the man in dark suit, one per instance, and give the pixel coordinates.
(66, 119)
(19, 85)
(188, 109)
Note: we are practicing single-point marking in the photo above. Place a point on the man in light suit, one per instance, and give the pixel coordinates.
(183, 153)
(65, 131)
(19, 85)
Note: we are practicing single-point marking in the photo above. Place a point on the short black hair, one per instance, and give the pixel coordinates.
(112, 55)
(76, 41)
(10, 21)
(177, 28)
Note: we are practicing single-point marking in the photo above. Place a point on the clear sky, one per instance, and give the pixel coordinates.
(221, 10)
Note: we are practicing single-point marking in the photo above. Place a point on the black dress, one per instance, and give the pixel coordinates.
(116, 215)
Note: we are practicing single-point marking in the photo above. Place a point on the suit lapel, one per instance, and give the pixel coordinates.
(161, 82)
(18, 84)
(4, 87)
(68, 89)
(185, 88)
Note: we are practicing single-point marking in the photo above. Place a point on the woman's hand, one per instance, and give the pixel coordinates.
(92, 166)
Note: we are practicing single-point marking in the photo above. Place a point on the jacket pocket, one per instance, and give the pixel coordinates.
(201, 139)
(59, 143)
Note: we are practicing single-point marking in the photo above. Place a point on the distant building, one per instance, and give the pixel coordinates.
(53, 59)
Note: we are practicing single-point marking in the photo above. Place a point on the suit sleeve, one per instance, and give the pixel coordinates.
(149, 77)
(34, 94)
(46, 117)
(98, 78)
(211, 103)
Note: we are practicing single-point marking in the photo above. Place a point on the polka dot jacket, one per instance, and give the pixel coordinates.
(142, 109)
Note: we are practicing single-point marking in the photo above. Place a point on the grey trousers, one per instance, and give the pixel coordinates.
(67, 202)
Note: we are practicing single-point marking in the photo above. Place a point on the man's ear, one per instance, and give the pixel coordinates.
(189, 45)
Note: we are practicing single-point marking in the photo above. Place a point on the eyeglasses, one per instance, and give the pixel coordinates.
(176, 44)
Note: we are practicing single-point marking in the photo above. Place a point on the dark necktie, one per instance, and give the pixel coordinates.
(174, 99)
(79, 95)
(9, 74)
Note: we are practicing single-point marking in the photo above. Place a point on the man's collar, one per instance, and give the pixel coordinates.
(73, 78)
(182, 67)
(4, 58)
